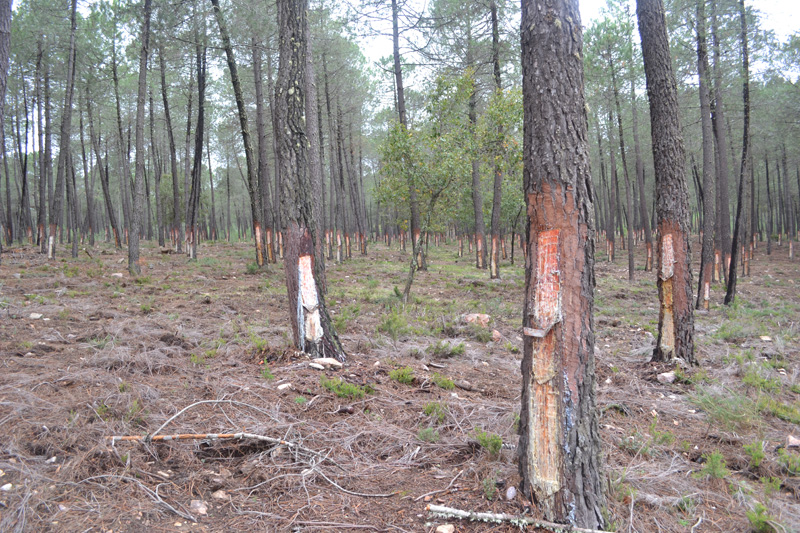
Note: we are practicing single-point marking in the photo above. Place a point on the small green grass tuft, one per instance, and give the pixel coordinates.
(445, 349)
(760, 520)
(755, 451)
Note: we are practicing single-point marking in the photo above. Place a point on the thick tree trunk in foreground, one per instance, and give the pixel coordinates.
(559, 446)
(311, 324)
(675, 317)
(709, 213)
(138, 181)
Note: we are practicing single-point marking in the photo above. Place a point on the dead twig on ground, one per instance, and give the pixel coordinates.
(449, 512)
(418, 498)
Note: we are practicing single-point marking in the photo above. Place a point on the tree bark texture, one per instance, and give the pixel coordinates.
(559, 447)
(66, 128)
(709, 213)
(138, 181)
(311, 324)
(676, 318)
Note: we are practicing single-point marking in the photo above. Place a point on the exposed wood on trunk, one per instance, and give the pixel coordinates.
(559, 447)
(676, 318)
(311, 324)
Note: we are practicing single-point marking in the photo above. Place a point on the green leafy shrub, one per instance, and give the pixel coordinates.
(403, 375)
(435, 410)
(342, 389)
(714, 466)
(760, 520)
(428, 435)
(491, 442)
(445, 349)
(755, 451)
(442, 381)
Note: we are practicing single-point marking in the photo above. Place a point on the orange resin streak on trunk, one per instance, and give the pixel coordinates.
(544, 429)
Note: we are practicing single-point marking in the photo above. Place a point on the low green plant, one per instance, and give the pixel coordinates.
(771, 485)
(258, 343)
(196, 359)
(778, 409)
(132, 414)
(300, 400)
(342, 389)
(489, 486)
(146, 308)
(403, 375)
(102, 411)
(124, 387)
(755, 451)
(63, 314)
(754, 379)
(442, 381)
(445, 349)
(251, 269)
(435, 410)
(511, 348)
(491, 442)
(726, 409)
(760, 520)
(266, 372)
(428, 435)
(714, 466)
(660, 438)
(394, 324)
(789, 461)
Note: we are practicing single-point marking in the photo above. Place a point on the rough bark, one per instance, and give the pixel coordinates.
(264, 178)
(559, 450)
(730, 294)
(177, 228)
(64, 138)
(311, 324)
(41, 218)
(252, 170)
(709, 218)
(675, 318)
(497, 186)
(138, 181)
(723, 227)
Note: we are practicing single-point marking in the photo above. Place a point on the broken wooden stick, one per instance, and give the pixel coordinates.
(450, 512)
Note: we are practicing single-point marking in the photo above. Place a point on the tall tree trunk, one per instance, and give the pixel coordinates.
(193, 213)
(559, 446)
(64, 138)
(5, 45)
(177, 228)
(769, 206)
(311, 324)
(628, 185)
(613, 186)
(313, 133)
(158, 172)
(477, 192)
(41, 218)
(709, 218)
(497, 186)
(138, 182)
(730, 294)
(723, 228)
(417, 254)
(103, 169)
(89, 189)
(675, 317)
(264, 179)
(253, 187)
(212, 227)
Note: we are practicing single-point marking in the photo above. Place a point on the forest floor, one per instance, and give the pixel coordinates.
(87, 352)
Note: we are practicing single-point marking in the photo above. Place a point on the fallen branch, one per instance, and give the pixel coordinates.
(214, 436)
(449, 512)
